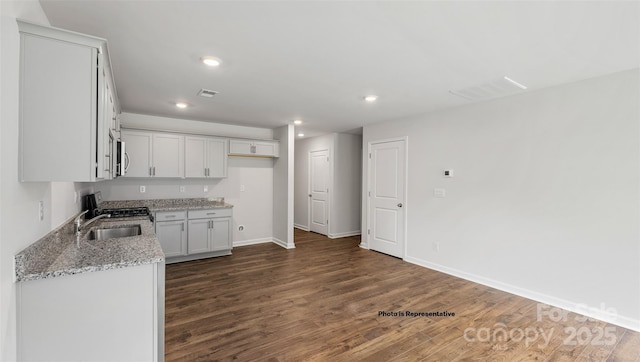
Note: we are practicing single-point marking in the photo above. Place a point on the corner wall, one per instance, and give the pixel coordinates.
(283, 188)
(545, 198)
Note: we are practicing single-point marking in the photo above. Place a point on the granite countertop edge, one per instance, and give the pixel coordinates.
(57, 254)
(87, 269)
(155, 205)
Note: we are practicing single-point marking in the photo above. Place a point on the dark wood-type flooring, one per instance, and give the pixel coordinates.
(321, 301)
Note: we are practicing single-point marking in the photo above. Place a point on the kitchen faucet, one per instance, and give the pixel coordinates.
(78, 222)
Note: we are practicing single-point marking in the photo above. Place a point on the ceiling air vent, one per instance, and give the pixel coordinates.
(207, 93)
(497, 88)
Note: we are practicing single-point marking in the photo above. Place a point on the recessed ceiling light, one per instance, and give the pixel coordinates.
(181, 105)
(371, 98)
(211, 61)
(300, 134)
(297, 122)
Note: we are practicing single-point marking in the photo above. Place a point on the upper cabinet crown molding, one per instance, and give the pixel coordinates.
(65, 81)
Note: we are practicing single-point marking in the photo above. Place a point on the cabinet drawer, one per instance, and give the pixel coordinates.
(209, 213)
(170, 215)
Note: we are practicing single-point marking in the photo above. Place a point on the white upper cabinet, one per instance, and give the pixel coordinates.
(205, 157)
(168, 155)
(254, 148)
(65, 81)
(153, 154)
(138, 153)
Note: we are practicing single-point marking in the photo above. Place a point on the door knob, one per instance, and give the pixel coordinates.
(400, 205)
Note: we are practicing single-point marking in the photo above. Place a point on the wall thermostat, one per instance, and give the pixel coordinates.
(448, 173)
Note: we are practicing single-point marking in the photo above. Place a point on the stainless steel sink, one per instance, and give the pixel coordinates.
(116, 232)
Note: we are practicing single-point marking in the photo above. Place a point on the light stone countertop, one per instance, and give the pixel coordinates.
(60, 253)
(168, 204)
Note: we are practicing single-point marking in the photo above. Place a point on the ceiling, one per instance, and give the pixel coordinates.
(314, 61)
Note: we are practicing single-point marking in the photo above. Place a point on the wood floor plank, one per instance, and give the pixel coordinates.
(322, 301)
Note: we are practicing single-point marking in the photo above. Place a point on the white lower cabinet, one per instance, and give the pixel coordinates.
(109, 315)
(208, 233)
(171, 232)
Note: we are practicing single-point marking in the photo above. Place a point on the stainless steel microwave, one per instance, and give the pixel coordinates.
(122, 159)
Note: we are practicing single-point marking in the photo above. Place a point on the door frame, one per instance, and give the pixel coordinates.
(329, 185)
(370, 143)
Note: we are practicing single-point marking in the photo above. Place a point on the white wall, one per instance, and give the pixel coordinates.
(345, 166)
(19, 220)
(252, 208)
(347, 179)
(544, 201)
(283, 188)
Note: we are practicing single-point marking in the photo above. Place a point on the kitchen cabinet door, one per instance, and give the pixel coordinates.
(138, 147)
(221, 234)
(254, 148)
(199, 231)
(195, 152)
(168, 155)
(205, 157)
(217, 157)
(172, 236)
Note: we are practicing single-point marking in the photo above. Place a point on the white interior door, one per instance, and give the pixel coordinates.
(319, 191)
(387, 174)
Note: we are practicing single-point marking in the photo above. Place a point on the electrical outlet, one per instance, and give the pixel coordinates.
(181, 188)
(41, 210)
(206, 188)
(439, 193)
(242, 189)
(143, 189)
(436, 246)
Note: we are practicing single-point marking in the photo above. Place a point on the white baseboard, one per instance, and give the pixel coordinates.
(252, 242)
(622, 321)
(301, 227)
(365, 246)
(344, 235)
(284, 244)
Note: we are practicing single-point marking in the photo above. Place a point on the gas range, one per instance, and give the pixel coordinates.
(126, 212)
(94, 202)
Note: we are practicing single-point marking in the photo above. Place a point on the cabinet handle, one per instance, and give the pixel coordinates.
(150, 171)
(168, 216)
(211, 213)
(182, 227)
(154, 170)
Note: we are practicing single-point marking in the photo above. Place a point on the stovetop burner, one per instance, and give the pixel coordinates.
(127, 212)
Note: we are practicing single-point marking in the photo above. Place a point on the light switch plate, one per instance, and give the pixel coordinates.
(182, 188)
(206, 188)
(143, 189)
